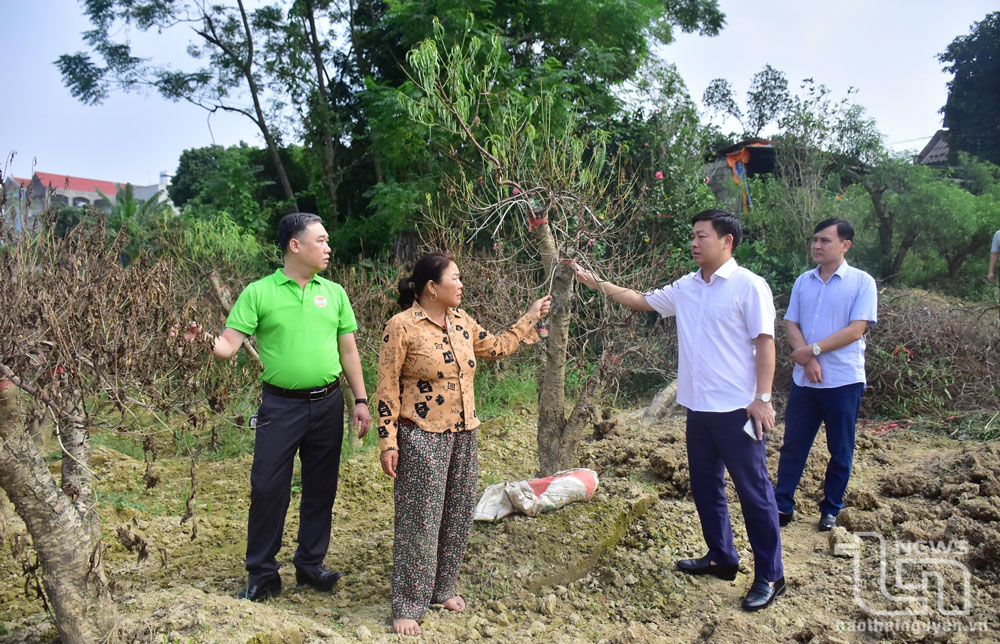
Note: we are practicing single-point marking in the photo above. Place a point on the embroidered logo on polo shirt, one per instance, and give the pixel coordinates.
(320, 301)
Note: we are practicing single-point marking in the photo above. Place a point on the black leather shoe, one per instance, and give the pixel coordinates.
(761, 595)
(703, 566)
(784, 518)
(319, 578)
(827, 522)
(261, 588)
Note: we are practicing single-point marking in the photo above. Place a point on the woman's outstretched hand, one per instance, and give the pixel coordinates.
(541, 306)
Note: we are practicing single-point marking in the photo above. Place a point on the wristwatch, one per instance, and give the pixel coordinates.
(764, 398)
(816, 349)
(360, 401)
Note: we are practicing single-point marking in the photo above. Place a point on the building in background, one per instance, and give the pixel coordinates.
(45, 189)
(935, 153)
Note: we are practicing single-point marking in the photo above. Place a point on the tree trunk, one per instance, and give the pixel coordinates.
(65, 530)
(904, 247)
(957, 259)
(272, 145)
(245, 65)
(884, 220)
(272, 148)
(558, 436)
(324, 125)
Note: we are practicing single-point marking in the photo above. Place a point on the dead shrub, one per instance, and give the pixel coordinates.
(929, 355)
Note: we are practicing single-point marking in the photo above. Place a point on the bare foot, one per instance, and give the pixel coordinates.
(456, 604)
(406, 626)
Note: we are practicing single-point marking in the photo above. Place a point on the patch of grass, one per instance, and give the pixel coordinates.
(129, 499)
(233, 441)
(978, 425)
(177, 640)
(491, 477)
(493, 583)
(498, 392)
(638, 479)
(352, 447)
(118, 442)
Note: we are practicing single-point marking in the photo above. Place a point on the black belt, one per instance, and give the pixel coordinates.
(315, 393)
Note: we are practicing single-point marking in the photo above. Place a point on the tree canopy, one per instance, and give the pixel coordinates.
(767, 100)
(326, 73)
(971, 113)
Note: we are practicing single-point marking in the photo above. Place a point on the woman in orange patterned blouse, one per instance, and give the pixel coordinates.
(427, 430)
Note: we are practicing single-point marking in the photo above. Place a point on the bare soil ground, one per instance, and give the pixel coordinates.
(595, 572)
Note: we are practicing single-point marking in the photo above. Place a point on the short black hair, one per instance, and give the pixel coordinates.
(724, 223)
(291, 225)
(844, 228)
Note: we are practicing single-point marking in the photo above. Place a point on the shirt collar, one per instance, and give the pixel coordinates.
(725, 271)
(282, 278)
(841, 271)
(417, 312)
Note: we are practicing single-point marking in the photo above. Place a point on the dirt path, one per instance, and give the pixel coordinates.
(610, 563)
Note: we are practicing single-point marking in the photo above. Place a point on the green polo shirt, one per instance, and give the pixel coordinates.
(297, 329)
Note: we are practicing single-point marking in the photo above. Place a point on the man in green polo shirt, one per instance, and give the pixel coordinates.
(305, 335)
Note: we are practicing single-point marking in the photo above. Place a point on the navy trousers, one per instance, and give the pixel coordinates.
(314, 429)
(715, 443)
(837, 407)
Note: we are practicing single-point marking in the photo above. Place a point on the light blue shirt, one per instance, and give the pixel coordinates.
(822, 308)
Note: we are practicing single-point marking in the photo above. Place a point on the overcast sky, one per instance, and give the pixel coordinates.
(885, 48)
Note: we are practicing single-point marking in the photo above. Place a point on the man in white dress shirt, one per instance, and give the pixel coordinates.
(725, 330)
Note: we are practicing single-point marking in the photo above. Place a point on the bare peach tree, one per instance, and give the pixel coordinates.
(88, 343)
(527, 181)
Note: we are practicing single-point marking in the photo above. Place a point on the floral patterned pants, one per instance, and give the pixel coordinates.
(434, 493)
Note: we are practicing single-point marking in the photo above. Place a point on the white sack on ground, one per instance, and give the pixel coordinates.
(535, 496)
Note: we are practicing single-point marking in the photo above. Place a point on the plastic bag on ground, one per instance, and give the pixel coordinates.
(535, 496)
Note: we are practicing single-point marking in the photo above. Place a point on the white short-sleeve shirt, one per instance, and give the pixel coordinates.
(995, 247)
(717, 322)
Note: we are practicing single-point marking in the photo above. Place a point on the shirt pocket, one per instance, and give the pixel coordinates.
(724, 317)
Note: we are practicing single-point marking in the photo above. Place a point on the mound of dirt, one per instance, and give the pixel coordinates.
(603, 571)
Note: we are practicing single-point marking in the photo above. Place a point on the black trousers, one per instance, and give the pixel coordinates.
(314, 429)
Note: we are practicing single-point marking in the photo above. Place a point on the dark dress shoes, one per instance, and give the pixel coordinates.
(761, 595)
(703, 566)
(784, 518)
(319, 578)
(260, 589)
(827, 522)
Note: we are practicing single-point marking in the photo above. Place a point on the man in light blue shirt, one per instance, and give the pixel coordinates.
(994, 253)
(830, 309)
